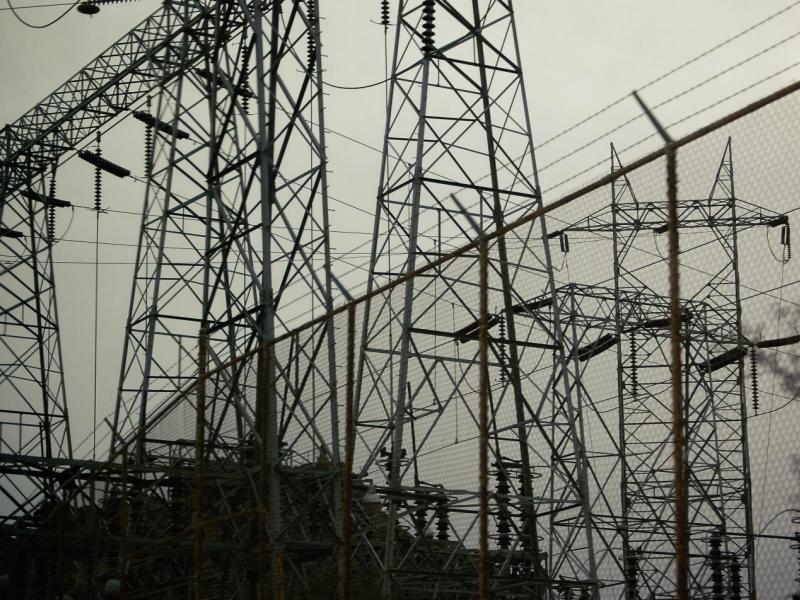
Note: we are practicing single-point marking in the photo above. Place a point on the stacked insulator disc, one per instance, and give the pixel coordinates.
(311, 16)
(634, 368)
(442, 519)
(98, 181)
(244, 75)
(385, 13)
(503, 352)
(502, 490)
(754, 378)
(51, 210)
(428, 27)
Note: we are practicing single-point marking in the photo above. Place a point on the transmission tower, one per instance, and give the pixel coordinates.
(233, 246)
(634, 319)
(457, 110)
(35, 418)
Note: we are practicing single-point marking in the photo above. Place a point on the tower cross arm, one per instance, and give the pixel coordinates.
(136, 63)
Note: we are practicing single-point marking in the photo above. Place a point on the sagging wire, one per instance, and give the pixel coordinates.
(14, 9)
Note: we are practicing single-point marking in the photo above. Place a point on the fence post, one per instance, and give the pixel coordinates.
(199, 466)
(483, 443)
(347, 480)
(681, 508)
(676, 371)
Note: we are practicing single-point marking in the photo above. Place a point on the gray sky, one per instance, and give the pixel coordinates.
(578, 56)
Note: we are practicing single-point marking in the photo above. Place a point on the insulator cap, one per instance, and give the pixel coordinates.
(88, 8)
(385, 13)
(102, 163)
(46, 200)
(150, 120)
(10, 233)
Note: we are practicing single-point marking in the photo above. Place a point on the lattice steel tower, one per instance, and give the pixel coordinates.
(633, 318)
(234, 235)
(34, 421)
(234, 245)
(458, 135)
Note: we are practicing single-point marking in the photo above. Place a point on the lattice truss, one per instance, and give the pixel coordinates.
(234, 232)
(629, 446)
(233, 245)
(458, 160)
(34, 412)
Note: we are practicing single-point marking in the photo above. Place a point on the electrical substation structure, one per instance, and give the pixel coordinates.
(457, 107)
(248, 459)
(633, 319)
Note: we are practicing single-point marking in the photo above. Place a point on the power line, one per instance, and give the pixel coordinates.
(670, 72)
(37, 6)
(13, 10)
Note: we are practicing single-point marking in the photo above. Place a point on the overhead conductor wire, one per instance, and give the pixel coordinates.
(14, 9)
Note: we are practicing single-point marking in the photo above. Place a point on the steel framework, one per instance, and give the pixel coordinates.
(225, 477)
(35, 417)
(457, 108)
(233, 245)
(633, 321)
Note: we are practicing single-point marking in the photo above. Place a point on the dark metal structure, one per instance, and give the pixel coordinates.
(633, 319)
(227, 473)
(35, 417)
(458, 161)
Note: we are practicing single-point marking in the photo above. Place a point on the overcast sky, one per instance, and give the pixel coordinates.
(578, 56)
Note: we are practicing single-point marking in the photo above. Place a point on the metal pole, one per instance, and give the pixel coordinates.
(347, 479)
(123, 528)
(627, 556)
(261, 562)
(199, 467)
(748, 499)
(483, 340)
(408, 298)
(267, 406)
(675, 314)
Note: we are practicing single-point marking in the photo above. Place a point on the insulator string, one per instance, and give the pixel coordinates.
(754, 378)
(51, 210)
(428, 27)
(312, 39)
(634, 367)
(385, 14)
(98, 183)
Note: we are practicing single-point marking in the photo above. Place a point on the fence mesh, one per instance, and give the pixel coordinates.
(343, 459)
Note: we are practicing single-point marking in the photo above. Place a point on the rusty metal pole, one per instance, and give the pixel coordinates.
(681, 509)
(483, 443)
(347, 478)
(262, 558)
(678, 441)
(123, 527)
(199, 466)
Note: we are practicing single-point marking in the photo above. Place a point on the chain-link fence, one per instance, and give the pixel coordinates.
(547, 412)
